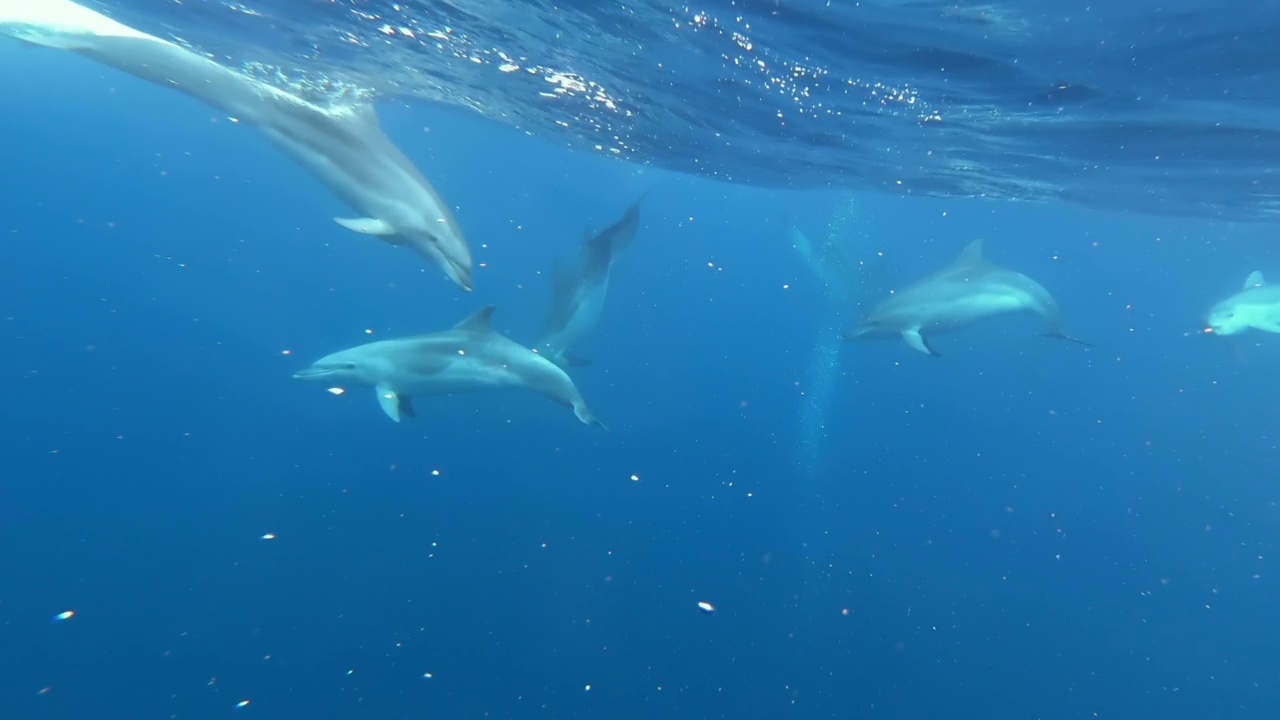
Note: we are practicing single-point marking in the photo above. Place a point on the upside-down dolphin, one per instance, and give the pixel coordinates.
(577, 296)
(469, 357)
(1256, 306)
(967, 291)
(344, 147)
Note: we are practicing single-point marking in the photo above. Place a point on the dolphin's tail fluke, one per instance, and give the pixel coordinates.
(1055, 333)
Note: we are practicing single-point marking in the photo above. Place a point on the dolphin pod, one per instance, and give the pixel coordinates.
(470, 356)
(347, 151)
(967, 291)
(343, 147)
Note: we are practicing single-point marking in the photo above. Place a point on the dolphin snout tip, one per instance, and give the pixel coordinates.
(462, 277)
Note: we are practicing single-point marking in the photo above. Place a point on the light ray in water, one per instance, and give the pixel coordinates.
(832, 264)
(816, 398)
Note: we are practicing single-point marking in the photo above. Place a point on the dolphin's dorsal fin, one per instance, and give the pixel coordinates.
(1254, 280)
(971, 255)
(478, 321)
(367, 113)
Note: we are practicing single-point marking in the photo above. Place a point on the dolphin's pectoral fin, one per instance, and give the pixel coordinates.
(919, 342)
(1062, 336)
(575, 360)
(367, 226)
(391, 403)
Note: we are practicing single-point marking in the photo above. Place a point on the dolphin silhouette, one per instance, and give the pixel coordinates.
(969, 290)
(343, 147)
(578, 296)
(469, 357)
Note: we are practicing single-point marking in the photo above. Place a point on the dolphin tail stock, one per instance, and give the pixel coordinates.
(585, 415)
(1056, 333)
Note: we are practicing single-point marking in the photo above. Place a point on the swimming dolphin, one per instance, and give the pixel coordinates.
(578, 297)
(344, 147)
(968, 290)
(469, 357)
(1256, 306)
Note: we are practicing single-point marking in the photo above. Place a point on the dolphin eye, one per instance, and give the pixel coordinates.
(349, 366)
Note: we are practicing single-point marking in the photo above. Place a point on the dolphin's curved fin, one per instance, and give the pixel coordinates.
(366, 113)
(1254, 280)
(478, 321)
(389, 401)
(919, 342)
(367, 226)
(972, 254)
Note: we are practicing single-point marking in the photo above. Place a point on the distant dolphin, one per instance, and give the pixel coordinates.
(1257, 306)
(469, 357)
(344, 147)
(968, 290)
(578, 297)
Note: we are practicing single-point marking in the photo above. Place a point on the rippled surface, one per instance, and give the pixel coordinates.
(1159, 107)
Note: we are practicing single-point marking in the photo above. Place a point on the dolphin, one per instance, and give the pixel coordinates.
(343, 147)
(469, 357)
(577, 298)
(1256, 306)
(967, 291)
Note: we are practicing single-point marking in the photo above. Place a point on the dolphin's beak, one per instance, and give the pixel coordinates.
(311, 372)
(460, 274)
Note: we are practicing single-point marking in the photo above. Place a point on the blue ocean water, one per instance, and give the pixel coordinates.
(1021, 528)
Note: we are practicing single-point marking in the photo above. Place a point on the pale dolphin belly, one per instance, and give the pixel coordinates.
(588, 307)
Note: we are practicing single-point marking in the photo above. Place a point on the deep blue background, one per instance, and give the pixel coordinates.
(1019, 529)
